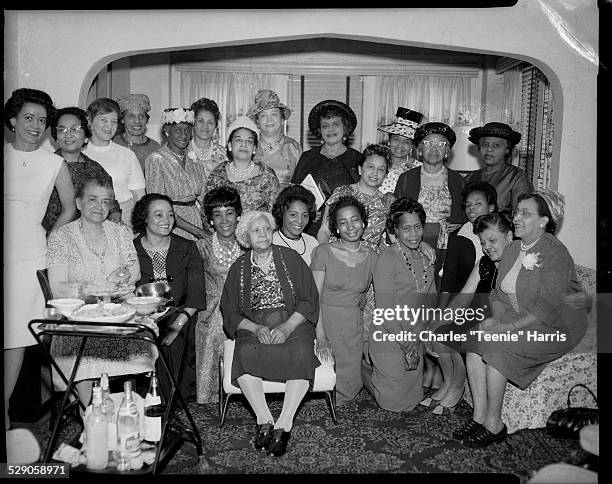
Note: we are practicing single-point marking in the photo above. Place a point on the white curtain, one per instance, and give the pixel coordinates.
(447, 99)
(511, 103)
(232, 91)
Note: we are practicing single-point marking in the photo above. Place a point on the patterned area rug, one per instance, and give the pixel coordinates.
(366, 440)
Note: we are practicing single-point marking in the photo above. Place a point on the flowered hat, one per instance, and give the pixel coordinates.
(495, 130)
(240, 122)
(435, 128)
(138, 102)
(555, 202)
(177, 115)
(314, 117)
(405, 124)
(267, 99)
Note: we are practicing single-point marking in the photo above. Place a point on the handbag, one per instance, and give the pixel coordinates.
(567, 422)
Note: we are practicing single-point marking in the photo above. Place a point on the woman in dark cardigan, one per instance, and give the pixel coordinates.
(167, 256)
(270, 305)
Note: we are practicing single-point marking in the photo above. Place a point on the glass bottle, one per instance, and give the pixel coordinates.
(97, 434)
(128, 437)
(108, 408)
(154, 410)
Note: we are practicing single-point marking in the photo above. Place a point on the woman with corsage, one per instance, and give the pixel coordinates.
(171, 172)
(270, 305)
(403, 276)
(165, 256)
(257, 183)
(222, 209)
(275, 149)
(535, 277)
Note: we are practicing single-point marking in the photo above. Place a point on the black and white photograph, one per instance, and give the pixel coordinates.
(325, 241)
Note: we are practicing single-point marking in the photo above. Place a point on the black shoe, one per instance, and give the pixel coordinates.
(263, 437)
(466, 430)
(484, 437)
(278, 444)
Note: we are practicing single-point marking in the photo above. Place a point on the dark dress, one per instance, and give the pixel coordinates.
(79, 171)
(185, 274)
(328, 173)
(269, 300)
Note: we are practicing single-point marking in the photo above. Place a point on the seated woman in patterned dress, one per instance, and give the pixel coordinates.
(95, 255)
(270, 305)
(222, 209)
(165, 256)
(257, 183)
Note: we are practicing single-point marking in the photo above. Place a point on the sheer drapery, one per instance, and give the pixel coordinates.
(232, 91)
(440, 98)
(511, 103)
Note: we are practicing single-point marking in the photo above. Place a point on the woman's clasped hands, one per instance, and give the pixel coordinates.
(273, 336)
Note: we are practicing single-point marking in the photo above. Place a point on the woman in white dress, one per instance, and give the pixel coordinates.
(30, 173)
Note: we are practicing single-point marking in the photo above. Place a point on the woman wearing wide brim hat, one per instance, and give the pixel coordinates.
(401, 145)
(334, 163)
(275, 149)
(256, 183)
(496, 142)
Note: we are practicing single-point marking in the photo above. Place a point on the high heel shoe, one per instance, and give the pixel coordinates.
(427, 404)
(444, 410)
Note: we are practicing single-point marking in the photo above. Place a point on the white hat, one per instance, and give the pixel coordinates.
(240, 122)
(405, 124)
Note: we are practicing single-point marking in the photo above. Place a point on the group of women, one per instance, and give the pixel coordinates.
(249, 255)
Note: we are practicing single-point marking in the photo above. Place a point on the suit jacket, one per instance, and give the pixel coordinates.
(409, 185)
(541, 291)
(184, 269)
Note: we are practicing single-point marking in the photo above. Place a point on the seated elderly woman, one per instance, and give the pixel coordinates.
(165, 256)
(270, 305)
(528, 303)
(95, 256)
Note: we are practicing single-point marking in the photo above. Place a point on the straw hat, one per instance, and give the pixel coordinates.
(267, 99)
(405, 124)
(495, 130)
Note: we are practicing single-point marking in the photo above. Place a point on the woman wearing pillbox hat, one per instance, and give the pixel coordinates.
(401, 144)
(134, 109)
(274, 149)
(169, 171)
(256, 183)
(496, 142)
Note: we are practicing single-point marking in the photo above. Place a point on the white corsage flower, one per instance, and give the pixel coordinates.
(191, 155)
(531, 261)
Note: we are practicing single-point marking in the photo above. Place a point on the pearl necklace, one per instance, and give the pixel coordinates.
(264, 263)
(525, 248)
(280, 233)
(421, 289)
(99, 255)
(200, 153)
(348, 248)
(224, 255)
(270, 146)
(242, 173)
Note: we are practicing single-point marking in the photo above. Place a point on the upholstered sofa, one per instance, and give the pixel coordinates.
(530, 408)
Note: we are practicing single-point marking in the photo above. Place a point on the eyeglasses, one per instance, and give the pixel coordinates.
(522, 213)
(71, 129)
(437, 144)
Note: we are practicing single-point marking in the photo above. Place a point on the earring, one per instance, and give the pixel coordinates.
(541, 226)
